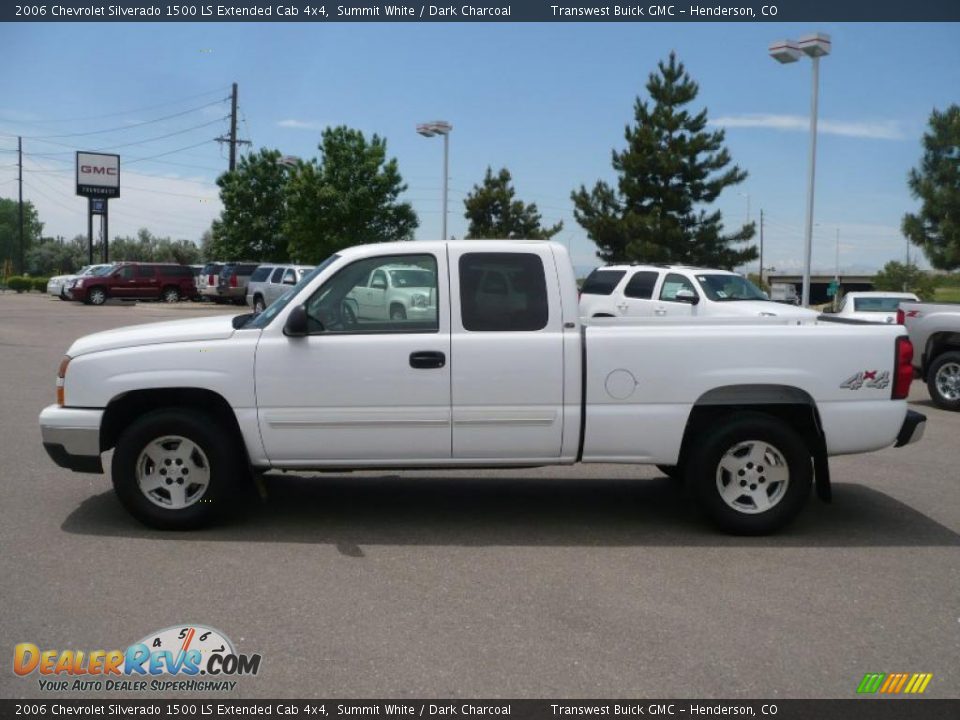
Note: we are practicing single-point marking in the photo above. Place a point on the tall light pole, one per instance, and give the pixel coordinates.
(440, 127)
(747, 196)
(814, 46)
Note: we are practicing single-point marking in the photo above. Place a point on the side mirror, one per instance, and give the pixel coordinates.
(686, 296)
(296, 325)
(289, 281)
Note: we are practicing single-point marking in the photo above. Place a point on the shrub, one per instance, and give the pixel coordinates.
(40, 284)
(20, 284)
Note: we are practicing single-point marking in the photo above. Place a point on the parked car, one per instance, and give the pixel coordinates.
(394, 292)
(677, 291)
(208, 280)
(136, 281)
(268, 282)
(874, 306)
(232, 282)
(784, 293)
(935, 331)
(746, 409)
(59, 285)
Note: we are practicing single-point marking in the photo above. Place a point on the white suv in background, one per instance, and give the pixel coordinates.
(677, 291)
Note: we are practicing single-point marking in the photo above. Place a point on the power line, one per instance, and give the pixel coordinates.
(122, 127)
(133, 143)
(123, 112)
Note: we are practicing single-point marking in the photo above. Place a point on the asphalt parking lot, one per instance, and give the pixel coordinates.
(589, 581)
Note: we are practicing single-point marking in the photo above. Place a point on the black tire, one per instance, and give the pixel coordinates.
(743, 432)
(674, 472)
(96, 296)
(222, 457)
(398, 312)
(939, 381)
(170, 295)
(258, 305)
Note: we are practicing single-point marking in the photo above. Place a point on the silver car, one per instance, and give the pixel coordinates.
(269, 282)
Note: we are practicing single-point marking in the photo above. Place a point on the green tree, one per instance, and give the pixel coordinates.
(50, 256)
(254, 208)
(347, 196)
(147, 247)
(936, 183)
(670, 171)
(898, 277)
(10, 230)
(494, 212)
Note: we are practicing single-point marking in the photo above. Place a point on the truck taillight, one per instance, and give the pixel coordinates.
(210, 280)
(903, 369)
(900, 316)
(233, 281)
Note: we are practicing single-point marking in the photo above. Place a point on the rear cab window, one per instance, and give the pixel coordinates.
(503, 292)
(641, 285)
(602, 282)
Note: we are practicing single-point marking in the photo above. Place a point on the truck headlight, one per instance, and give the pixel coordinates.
(61, 375)
(419, 300)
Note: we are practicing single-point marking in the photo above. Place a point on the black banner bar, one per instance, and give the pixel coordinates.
(318, 11)
(854, 709)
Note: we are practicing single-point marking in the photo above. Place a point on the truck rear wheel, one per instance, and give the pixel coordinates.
(751, 474)
(175, 470)
(943, 381)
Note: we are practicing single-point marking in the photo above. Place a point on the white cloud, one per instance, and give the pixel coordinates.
(874, 130)
(301, 124)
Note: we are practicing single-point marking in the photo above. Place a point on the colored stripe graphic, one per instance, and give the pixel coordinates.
(895, 683)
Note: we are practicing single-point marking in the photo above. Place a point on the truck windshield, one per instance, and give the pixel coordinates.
(263, 319)
(724, 288)
(412, 278)
(101, 271)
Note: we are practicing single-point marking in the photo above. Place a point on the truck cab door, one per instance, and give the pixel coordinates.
(507, 355)
(358, 390)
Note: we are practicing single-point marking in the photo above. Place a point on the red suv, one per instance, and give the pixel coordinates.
(137, 281)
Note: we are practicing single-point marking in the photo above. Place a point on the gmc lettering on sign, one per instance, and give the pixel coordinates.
(88, 169)
(98, 174)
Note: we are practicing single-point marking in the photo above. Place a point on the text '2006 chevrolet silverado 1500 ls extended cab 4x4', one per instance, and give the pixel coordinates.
(745, 410)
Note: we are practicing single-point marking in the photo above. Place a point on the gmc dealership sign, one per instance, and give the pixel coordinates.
(98, 175)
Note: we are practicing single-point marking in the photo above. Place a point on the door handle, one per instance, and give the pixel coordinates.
(623, 307)
(660, 311)
(427, 359)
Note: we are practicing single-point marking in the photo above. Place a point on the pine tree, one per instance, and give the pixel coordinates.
(670, 172)
(936, 228)
(494, 211)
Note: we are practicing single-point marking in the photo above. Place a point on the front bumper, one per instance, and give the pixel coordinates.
(912, 429)
(71, 437)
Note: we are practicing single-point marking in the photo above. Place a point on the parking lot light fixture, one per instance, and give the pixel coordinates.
(431, 129)
(814, 46)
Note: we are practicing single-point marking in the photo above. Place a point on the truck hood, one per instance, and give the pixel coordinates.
(764, 308)
(218, 327)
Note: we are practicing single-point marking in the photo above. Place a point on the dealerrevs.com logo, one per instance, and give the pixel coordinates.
(894, 683)
(180, 658)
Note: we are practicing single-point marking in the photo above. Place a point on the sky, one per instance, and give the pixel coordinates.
(548, 101)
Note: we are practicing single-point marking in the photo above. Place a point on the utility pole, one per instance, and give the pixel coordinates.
(761, 248)
(20, 186)
(231, 139)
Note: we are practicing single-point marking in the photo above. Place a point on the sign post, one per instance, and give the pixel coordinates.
(98, 180)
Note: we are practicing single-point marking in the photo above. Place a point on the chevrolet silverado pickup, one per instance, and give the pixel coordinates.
(934, 329)
(746, 410)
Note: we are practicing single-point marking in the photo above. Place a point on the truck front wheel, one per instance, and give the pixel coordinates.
(943, 381)
(175, 470)
(751, 474)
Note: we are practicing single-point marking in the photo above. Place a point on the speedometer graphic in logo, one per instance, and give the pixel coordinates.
(181, 639)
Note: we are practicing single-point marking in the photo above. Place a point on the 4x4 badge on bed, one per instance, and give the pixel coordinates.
(867, 378)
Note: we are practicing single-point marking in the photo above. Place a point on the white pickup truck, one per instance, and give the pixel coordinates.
(746, 410)
(935, 332)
